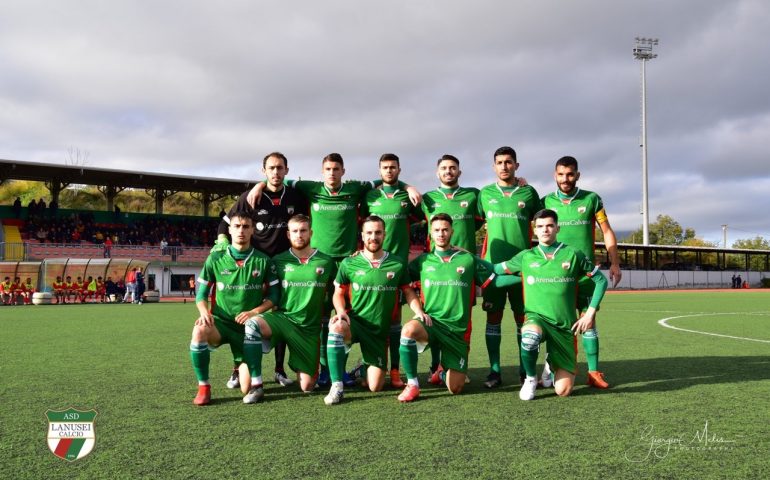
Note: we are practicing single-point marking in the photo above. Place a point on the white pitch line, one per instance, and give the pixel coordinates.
(663, 323)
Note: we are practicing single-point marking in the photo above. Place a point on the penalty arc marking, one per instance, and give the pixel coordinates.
(663, 322)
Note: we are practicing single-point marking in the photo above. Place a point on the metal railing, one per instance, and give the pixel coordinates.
(31, 251)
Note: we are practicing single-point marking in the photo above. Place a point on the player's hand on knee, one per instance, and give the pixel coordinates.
(424, 318)
(206, 320)
(243, 317)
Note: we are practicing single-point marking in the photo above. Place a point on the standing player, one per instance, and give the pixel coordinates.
(334, 208)
(447, 277)
(391, 203)
(461, 204)
(270, 215)
(508, 209)
(579, 211)
(551, 272)
(305, 276)
(238, 274)
(371, 281)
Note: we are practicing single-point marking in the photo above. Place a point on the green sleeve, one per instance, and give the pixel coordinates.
(505, 281)
(207, 275)
(511, 266)
(601, 286)
(274, 293)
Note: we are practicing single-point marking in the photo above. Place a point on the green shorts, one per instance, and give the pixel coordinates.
(374, 345)
(304, 345)
(231, 333)
(495, 299)
(561, 344)
(454, 346)
(586, 288)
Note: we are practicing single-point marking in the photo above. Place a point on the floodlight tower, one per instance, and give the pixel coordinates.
(643, 52)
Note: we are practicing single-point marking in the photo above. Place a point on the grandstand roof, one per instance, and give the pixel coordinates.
(49, 172)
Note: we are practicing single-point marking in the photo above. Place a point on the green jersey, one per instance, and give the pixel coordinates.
(305, 283)
(238, 279)
(373, 289)
(460, 204)
(334, 214)
(578, 215)
(448, 283)
(394, 207)
(508, 212)
(550, 276)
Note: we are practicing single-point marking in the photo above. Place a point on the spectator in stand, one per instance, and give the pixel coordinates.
(53, 208)
(41, 207)
(59, 291)
(31, 209)
(75, 237)
(163, 247)
(130, 286)
(107, 247)
(139, 276)
(27, 290)
(42, 234)
(17, 208)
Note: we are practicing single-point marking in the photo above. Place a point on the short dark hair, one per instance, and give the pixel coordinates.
(449, 157)
(546, 213)
(300, 218)
(505, 151)
(241, 214)
(567, 162)
(334, 158)
(276, 155)
(374, 218)
(441, 216)
(390, 157)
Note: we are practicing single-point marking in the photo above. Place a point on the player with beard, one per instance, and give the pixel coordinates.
(271, 215)
(579, 211)
(305, 276)
(391, 203)
(369, 283)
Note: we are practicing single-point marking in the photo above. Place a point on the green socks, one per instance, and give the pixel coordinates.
(252, 348)
(395, 338)
(336, 356)
(408, 352)
(200, 356)
(591, 346)
(530, 346)
(493, 337)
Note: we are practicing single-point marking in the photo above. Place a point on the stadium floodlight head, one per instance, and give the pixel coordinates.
(643, 52)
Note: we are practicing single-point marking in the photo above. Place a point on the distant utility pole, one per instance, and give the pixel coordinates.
(643, 52)
(724, 236)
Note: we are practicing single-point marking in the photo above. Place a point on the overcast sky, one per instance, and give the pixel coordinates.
(208, 88)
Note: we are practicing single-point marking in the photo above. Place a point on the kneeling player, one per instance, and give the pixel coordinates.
(371, 281)
(448, 277)
(238, 274)
(305, 276)
(552, 271)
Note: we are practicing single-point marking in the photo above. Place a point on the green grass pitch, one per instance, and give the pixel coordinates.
(682, 404)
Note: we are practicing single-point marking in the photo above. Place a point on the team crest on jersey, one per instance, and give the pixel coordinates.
(319, 271)
(565, 265)
(290, 209)
(71, 434)
(262, 211)
(390, 275)
(581, 209)
(255, 273)
(522, 204)
(460, 270)
(464, 204)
